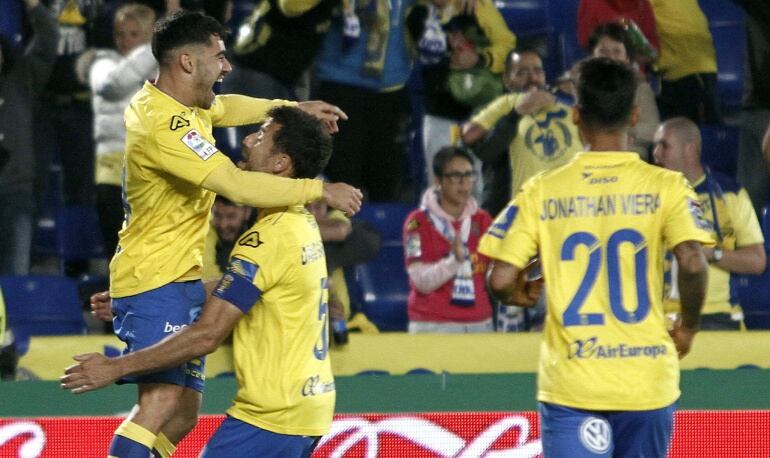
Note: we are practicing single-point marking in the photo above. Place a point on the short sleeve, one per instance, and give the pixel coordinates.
(187, 153)
(255, 266)
(513, 236)
(683, 220)
(747, 229)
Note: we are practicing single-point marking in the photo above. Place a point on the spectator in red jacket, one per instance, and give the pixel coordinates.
(446, 274)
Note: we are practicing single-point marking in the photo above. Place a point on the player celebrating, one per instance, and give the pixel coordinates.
(171, 172)
(274, 294)
(608, 376)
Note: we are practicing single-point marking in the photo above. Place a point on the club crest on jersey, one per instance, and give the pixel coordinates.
(178, 122)
(596, 435)
(200, 146)
(244, 268)
(251, 239)
(697, 215)
(548, 139)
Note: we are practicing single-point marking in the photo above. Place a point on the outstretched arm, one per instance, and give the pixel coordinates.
(94, 370)
(262, 190)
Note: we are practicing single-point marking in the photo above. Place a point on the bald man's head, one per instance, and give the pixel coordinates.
(685, 130)
(678, 146)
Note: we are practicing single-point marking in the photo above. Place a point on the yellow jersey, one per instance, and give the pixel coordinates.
(544, 140)
(728, 210)
(169, 152)
(601, 225)
(280, 347)
(686, 46)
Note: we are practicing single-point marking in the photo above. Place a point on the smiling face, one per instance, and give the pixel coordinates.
(210, 66)
(228, 220)
(607, 47)
(257, 150)
(525, 72)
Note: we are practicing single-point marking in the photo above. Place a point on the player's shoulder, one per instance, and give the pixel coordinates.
(160, 112)
(660, 174)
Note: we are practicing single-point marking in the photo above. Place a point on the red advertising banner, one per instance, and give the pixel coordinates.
(463, 434)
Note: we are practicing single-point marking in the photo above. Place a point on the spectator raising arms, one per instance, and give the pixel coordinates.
(446, 274)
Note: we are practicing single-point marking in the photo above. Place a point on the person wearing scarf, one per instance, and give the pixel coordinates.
(446, 274)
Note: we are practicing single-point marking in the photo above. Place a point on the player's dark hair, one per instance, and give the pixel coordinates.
(614, 31)
(605, 93)
(224, 200)
(183, 28)
(303, 138)
(446, 154)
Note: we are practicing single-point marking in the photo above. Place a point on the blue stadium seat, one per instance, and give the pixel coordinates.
(381, 286)
(78, 233)
(726, 22)
(765, 224)
(388, 218)
(384, 287)
(12, 20)
(42, 305)
(720, 148)
(525, 17)
(754, 290)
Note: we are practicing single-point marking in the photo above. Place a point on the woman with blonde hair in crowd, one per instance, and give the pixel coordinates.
(114, 76)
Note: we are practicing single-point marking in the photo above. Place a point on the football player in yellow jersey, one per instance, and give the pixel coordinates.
(171, 172)
(608, 377)
(274, 294)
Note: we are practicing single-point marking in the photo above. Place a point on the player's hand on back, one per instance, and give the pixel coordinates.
(329, 114)
(343, 197)
(101, 306)
(92, 372)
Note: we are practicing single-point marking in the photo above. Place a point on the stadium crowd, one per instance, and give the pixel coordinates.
(439, 106)
(417, 78)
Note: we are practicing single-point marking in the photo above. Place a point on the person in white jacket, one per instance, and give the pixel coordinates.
(115, 75)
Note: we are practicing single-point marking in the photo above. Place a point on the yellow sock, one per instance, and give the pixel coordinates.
(163, 446)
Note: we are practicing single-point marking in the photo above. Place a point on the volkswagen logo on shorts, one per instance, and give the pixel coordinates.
(595, 434)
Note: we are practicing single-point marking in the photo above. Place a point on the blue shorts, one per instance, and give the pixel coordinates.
(588, 433)
(147, 318)
(234, 436)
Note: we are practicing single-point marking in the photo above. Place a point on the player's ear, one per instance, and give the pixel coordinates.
(185, 61)
(282, 164)
(575, 115)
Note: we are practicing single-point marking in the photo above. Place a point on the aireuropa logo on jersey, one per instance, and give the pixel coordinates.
(591, 348)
